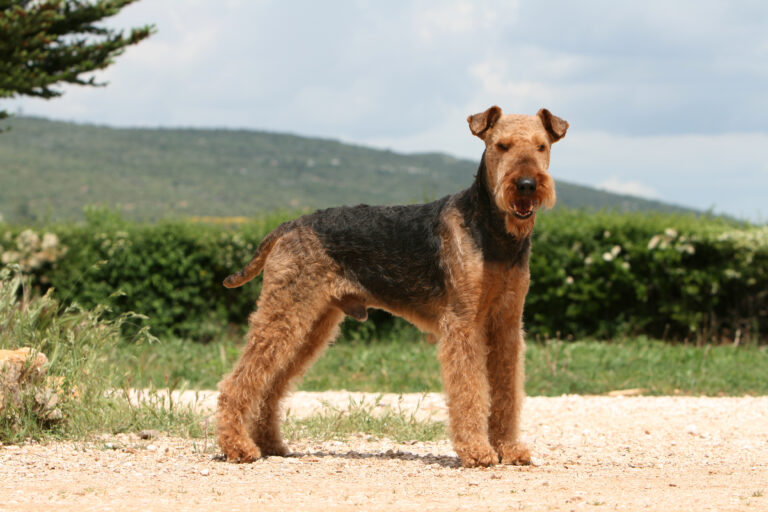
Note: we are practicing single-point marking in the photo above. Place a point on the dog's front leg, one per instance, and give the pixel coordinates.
(507, 377)
(462, 353)
(506, 373)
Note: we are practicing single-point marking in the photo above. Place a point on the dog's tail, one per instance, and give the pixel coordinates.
(254, 267)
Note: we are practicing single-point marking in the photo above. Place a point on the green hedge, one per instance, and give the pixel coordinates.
(668, 276)
(170, 271)
(593, 274)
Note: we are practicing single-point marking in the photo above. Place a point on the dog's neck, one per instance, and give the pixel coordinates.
(486, 223)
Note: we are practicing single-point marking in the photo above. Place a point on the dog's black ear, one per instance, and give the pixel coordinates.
(555, 126)
(479, 124)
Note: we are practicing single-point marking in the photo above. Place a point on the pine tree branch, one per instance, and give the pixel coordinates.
(47, 43)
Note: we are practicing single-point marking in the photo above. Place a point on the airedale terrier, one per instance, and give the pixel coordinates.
(456, 268)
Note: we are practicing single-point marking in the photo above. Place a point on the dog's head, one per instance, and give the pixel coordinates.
(517, 162)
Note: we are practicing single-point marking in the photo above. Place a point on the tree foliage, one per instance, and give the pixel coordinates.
(47, 43)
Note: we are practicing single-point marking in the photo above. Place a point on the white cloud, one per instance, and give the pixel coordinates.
(433, 20)
(631, 188)
(727, 172)
(450, 135)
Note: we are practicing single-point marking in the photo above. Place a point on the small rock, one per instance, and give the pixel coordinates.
(204, 472)
(692, 430)
(151, 448)
(148, 434)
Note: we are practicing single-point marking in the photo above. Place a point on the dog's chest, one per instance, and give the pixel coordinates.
(501, 285)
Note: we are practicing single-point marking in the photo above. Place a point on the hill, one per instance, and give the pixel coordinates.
(51, 169)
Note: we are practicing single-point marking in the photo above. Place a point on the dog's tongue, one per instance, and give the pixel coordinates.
(523, 206)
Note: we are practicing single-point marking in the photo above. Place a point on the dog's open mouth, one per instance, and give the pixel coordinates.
(523, 208)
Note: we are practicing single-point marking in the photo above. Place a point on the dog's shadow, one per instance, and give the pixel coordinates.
(445, 461)
(428, 459)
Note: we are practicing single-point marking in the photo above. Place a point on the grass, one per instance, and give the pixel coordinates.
(591, 367)
(401, 362)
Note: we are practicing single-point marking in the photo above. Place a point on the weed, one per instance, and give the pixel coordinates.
(78, 344)
(360, 418)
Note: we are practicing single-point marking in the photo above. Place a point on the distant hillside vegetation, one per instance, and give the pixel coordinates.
(51, 170)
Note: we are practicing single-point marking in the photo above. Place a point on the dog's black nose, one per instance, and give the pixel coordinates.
(526, 186)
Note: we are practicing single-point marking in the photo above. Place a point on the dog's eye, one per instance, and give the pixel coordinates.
(502, 146)
(542, 147)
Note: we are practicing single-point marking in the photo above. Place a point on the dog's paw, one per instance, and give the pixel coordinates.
(478, 456)
(241, 451)
(517, 454)
(243, 456)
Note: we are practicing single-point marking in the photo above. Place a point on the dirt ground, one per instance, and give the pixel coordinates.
(592, 453)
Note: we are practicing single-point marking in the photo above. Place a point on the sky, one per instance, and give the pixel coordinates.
(665, 100)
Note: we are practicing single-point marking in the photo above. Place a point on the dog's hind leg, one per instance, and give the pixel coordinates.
(292, 301)
(264, 428)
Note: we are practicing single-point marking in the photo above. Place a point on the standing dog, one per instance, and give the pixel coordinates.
(456, 268)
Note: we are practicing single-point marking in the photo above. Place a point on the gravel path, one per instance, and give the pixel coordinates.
(593, 453)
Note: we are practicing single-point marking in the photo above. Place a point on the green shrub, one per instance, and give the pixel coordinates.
(667, 276)
(171, 271)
